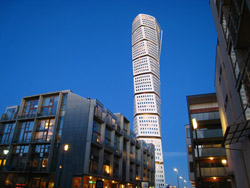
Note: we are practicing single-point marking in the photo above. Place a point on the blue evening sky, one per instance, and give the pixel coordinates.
(85, 46)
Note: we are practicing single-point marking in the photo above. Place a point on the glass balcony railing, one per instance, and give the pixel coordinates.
(30, 115)
(210, 152)
(6, 117)
(46, 112)
(213, 133)
(206, 116)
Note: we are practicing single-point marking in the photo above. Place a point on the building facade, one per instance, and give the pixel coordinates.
(60, 139)
(207, 158)
(146, 48)
(232, 72)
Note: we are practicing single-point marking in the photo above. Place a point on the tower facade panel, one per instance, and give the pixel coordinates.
(146, 45)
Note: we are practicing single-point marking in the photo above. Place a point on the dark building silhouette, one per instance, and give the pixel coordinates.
(232, 82)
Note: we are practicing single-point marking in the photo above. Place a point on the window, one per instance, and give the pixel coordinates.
(190, 150)
(191, 166)
(59, 132)
(19, 157)
(96, 135)
(40, 156)
(188, 132)
(45, 130)
(25, 131)
(49, 105)
(30, 108)
(11, 113)
(6, 133)
(94, 159)
(107, 137)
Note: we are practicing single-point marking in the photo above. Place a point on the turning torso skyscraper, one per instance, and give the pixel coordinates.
(146, 48)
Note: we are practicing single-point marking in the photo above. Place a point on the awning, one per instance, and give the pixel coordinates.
(236, 132)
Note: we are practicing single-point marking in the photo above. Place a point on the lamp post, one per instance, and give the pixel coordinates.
(181, 181)
(176, 170)
(65, 149)
(195, 126)
(185, 181)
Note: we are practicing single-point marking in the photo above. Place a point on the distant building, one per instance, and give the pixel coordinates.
(60, 139)
(146, 50)
(206, 156)
(232, 83)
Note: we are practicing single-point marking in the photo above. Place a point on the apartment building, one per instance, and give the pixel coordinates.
(61, 139)
(232, 72)
(207, 159)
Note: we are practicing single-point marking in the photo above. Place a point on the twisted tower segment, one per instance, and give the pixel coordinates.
(146, 47)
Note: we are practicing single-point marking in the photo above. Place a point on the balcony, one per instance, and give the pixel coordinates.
(44, 113)
(212, 172)
(96, 139)
(108, 145)
(137, 144)
(118, 130)
(206, 116)
(98, 113)
(132, 157)
(138, 161)
(106, 170)
(213, 133)
(132, 179)
(148, 165)
(5, 117)
(210, 152)
(125, 134)
(132, 136)
(27, 116)
(42, 139)
(239, 25)
(116, 174)
(118, 152)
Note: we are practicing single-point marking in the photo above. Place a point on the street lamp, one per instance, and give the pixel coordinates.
(5, 151)
(195, 126)
(224, 161)
(176, 170)
(181, 181)
(185, 181)
(65, 149)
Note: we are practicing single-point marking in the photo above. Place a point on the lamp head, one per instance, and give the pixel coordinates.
(5, 152)
(195, 125)
(224, 161)
(66, 147)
